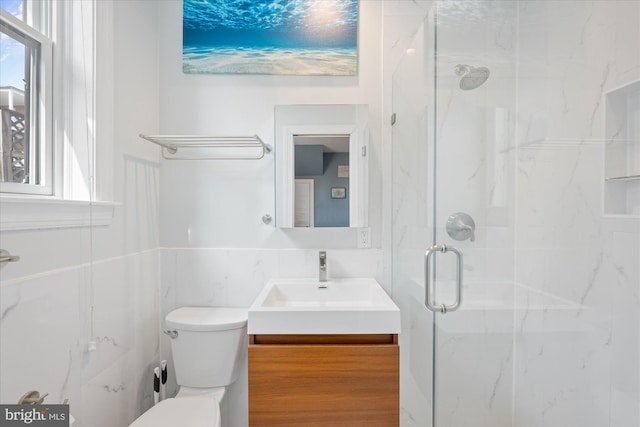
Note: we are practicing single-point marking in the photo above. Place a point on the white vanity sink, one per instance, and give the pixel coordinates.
(303, 306)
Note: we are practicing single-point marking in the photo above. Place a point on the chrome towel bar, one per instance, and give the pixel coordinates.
(172, 143)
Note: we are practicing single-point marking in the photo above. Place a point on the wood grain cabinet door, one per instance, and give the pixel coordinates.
(324, 385)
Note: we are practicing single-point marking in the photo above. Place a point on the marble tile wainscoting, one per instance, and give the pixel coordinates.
(45, 330)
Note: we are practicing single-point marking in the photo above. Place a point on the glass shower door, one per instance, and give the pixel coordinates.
(412, 230)
(510, 119)
(471, 267)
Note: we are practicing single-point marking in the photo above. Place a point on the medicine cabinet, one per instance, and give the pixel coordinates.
(321, 165)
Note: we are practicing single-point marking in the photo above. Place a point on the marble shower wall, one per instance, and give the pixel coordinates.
(575, 365)
(549, 334)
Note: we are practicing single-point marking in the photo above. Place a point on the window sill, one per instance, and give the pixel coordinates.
(35, 213)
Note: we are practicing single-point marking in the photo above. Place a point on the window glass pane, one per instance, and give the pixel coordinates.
(14, 7)
(17, 159)
(12, 61)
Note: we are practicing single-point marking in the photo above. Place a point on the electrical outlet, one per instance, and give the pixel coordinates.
(364, 237)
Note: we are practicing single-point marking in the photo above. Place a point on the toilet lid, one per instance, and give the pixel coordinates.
(183, 412)
(207, 318)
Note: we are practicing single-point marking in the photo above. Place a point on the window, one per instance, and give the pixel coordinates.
(51, 178)
(26, 61)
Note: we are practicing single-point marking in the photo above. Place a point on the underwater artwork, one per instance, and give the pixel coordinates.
(285, 37)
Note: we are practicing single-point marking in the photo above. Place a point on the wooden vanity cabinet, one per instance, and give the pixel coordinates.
(324, 380)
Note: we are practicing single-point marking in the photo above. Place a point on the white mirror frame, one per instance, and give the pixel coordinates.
(358, 171)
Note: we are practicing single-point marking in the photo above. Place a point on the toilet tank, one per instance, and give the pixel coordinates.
(208, 350)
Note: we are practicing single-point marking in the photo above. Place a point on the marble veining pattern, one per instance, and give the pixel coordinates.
(52, 310)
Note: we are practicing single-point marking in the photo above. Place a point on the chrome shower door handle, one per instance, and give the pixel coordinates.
(429, 290)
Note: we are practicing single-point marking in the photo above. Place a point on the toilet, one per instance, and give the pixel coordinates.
(207, 353)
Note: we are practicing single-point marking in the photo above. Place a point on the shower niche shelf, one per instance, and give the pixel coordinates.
(622, 151)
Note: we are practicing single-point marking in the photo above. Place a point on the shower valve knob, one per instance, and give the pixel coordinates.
(460, 226)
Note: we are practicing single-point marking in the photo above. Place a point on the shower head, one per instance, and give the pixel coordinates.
(471, 77)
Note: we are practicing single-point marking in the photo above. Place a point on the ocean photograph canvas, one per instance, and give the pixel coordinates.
(280, 37)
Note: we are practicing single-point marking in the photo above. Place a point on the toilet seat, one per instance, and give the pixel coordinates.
(191, 412)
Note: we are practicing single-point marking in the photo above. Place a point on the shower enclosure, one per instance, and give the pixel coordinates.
(516, 144)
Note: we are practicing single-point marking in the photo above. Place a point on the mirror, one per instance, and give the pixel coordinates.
(321, 165)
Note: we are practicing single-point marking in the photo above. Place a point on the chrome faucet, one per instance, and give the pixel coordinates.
(323, 267)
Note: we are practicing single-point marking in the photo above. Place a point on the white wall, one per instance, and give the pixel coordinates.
(227, 199)
(216, 249)
(45, 298)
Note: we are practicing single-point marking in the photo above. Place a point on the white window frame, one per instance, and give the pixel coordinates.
(82, 188)
(40, 119)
